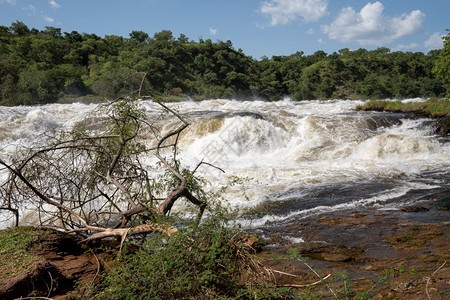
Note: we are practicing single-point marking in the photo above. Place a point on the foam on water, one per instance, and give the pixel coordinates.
(377, 202)
(274, 146)
(25, 125)
(297, 144)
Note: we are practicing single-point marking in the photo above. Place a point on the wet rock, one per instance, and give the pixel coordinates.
(275, 240)
(414, 208)
(332, 253)
(416, 237)
(443, 203)
(248, 114)
(337, 257)
(402, 247)
(443, 126)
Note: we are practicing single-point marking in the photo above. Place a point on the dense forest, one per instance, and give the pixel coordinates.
(42, 66)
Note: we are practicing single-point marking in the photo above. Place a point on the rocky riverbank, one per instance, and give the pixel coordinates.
(432, 108)
(386, 254)
(51, 264)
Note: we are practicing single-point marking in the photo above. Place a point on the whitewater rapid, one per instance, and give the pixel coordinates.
(297, 159)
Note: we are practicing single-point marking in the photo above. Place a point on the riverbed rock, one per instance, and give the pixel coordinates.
(332, 253)
(414, 208)
(390, 254)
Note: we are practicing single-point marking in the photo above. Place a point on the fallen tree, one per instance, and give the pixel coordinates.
(95, 183)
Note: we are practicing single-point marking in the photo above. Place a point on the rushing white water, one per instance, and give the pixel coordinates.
(22, 125)
(299, 158)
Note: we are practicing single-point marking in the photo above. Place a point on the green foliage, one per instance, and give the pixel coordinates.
(139, 36)
(204, 262)
(19, 28)
(62, 64)
(442, 64)
(350, 74)
(116, 154)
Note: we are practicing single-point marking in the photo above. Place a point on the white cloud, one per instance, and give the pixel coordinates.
(286, 11)
(53, 4)
(410, 46)
(434, 41)
(320, 41)
(310, 31)
(48, 19)
(30, 9)
(213, 31)
(12, 2)
(371, 27)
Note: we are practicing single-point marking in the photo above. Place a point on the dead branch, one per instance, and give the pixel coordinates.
(122, 188)
(142, 83)
(208, 164)
(121, 232)
(167, 108)
(321, 279)
(87, 182)
(306, 285)
(41, 194)
(429, 279)
(281, 272)
(98, 266)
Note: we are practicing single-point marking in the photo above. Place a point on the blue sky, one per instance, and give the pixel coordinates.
(258, 27)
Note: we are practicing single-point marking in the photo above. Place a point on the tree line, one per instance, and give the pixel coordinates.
(44, 66)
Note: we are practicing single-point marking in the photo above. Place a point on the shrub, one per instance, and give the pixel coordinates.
(204, 262)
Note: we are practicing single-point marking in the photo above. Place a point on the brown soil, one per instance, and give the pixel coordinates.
(62, 264)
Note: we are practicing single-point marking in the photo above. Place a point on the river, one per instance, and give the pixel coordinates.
(288, 160)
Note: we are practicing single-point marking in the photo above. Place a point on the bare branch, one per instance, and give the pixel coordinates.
(96, 184)
(429, 279)
(206, 163)
(41, 195)
(120, 232)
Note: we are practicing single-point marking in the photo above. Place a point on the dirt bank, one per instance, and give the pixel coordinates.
(57, 262)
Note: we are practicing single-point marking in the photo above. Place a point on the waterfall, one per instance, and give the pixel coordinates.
(298, 158)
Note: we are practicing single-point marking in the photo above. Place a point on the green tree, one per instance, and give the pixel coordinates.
(163, 36)
(111, 66)
(9, 77)
(442, 65)
(52, 31)
(19, 28)
(138, 36)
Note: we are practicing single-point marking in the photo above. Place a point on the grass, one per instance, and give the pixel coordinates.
(433, 107)
(14, 246)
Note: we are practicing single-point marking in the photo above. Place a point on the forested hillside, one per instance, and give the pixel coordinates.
(41, 66)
